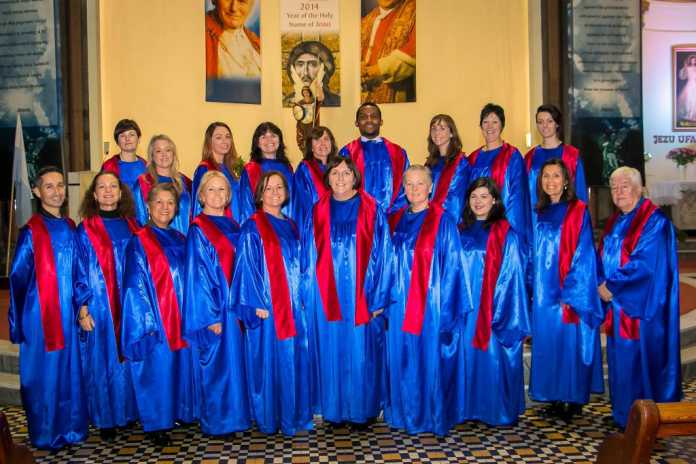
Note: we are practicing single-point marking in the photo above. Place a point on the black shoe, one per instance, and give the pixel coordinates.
(335, 425)
(570, 410)
(553, 409)
(362, 426)
(160, 438)
(107, 434)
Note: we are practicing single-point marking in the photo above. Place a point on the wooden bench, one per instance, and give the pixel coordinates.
(11, 453)
(647, 421)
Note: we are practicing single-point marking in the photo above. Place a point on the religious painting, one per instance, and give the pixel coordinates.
(388, 51)
(684, 87)
(232, 51)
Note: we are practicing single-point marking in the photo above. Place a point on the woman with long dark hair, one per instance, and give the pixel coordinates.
(566, 311)
(490, 383)
(448, 165)
(107, 227)
(267, 154)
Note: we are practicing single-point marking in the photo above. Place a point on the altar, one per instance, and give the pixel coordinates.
(680, 195)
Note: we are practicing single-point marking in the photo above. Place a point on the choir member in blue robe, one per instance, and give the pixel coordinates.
(549, 121)
(126, 164)
(381, 163)
(347, 268)
(163, 166)
(42, 320)
(211, 322)
(426, 308)
(448, 164)
(219, 154)
(266, 285)
(566, 311)
(640, 286)
(107, 226)
(267, 154)
(503, 163)
(309, 177)
(491, 389)
(151, 335)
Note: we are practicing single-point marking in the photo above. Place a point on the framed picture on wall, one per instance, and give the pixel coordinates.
(684, 87)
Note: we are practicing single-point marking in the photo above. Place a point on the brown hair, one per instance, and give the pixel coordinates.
(231, 157)
(261, 187)
(350, 164)
(90, 208)
(454, 147)
(314, 134)
(173, 170)
(568, 193)
(164, 187)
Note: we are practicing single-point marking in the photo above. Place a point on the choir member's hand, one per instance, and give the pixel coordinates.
(377, 313)
(262, 313)
(85, 319)
(604, 293)
(216, 328)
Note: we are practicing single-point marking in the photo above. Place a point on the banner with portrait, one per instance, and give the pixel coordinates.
(310, 53)
(684, 87)
(388, 51)
(233, 51)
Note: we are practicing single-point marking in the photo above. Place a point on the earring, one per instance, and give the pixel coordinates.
(565, 187)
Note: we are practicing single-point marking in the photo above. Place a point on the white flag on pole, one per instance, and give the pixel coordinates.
(20, 178)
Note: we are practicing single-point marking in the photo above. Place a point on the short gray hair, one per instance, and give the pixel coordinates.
(632, 174)
(419, 168)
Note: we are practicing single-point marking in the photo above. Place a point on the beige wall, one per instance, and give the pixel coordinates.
(152, 63)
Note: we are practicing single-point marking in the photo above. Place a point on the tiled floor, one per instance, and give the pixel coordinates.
(534, 439)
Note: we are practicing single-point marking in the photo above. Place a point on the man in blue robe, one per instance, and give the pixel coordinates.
(42, 320)
(640, 286)
(381, 163)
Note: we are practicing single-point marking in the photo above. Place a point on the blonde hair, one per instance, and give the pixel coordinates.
(207, 177)
(419, 168)
(632, 174)
(173, 169)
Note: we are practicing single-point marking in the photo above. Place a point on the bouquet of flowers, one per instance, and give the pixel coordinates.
(682, 156)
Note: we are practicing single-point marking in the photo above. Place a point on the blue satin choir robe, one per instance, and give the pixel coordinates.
(130, 170)
(183, 216)
(304, 193)
(378, 177)
(107, 381)
(247, 207)
(163, 379)
(566, 358)
(50, 382)
(541, 155)
(456, 196)
(277, 370)
(647, 288)
(515, 192)
(492, 388)
(349, 360)
(423, 368)
(234, 185)
(220, 358)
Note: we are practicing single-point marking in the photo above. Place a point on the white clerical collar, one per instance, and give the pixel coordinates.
(384, 12)
(377, 139)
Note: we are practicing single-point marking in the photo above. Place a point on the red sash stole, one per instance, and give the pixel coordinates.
(146, 182)
(364, 236)
(164, 288)
(47, 283)
(111, 165)
(104, 250)
(395, 218)
(443, 184)
(420, 271)
(280, 292)
(570, 235)
(317, 177)
(398, 161)
(499, 165)
(220, 242)
(570, 158)
(629, 327)
(210, 164)
(494, 259)
(254, 172)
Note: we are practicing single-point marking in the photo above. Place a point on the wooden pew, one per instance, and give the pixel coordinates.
(647, 421)
(11, 453)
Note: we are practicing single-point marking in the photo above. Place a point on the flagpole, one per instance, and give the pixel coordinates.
(9, 230)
